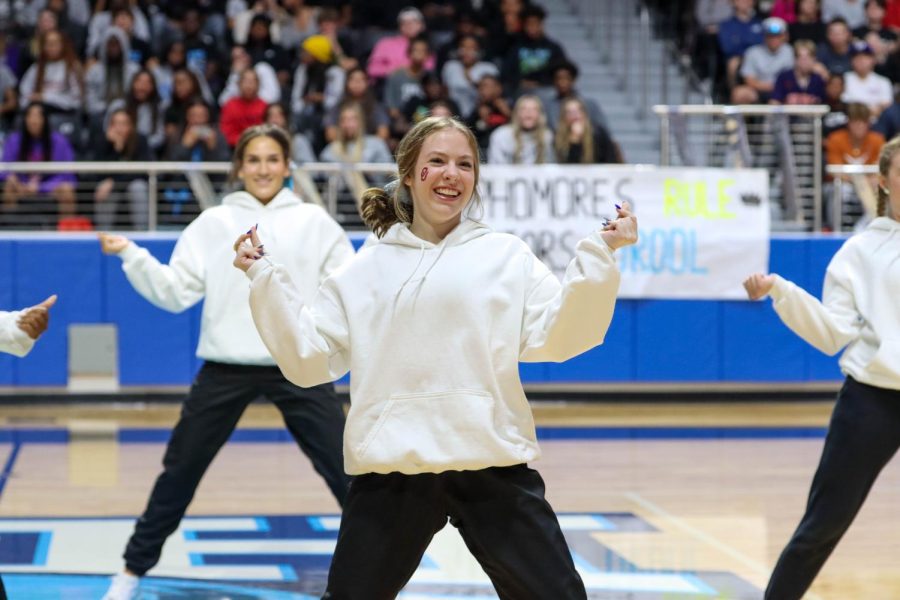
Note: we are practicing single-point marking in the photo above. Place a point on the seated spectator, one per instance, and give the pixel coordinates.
(9, 101)
(461, 74)
(295, 22)
(708, 15)
(144, 106)
(737, 35)
(834, 54)
(862, 85)
(853, 12)
(103, 17)
(269, 87)
(301, 150)
(108, 78)
(261, 48)
(526, 140)
(244, 110)
(888, 124)
(75, 31)
(565, 74)
(882, 40)
(808, 25)
(141, 51)
(198, 140)
(419, 106)
(836, 118)
(203, 53)
(173, 58)
(392, 53)
(342, 44)
(357, 89)
(121, 142)
(490, 112)
(854, 145)
(466, 25)
(442, 108)
(505, 31)
(529, 62)
(30, 51)
(800, 85)
(186, 88)
(243, 20)
(578, 141)
(318, 84)
(405, 83)
(48, 196)
(762, 64)
(56, 80)
(352, 145)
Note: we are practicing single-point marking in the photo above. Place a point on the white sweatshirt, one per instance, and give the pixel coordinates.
(860, 306)
(433, 335)
(12, 339)
(304, 236)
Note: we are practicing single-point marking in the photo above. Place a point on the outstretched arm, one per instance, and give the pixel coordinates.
(310, 342)
(19, 330)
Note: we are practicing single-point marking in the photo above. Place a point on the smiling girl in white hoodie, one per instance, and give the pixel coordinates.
(860, 310)
(237, 368)
(432, 322)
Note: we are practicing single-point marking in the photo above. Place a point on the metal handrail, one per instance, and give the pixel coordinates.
(808, 110)
(837, 196)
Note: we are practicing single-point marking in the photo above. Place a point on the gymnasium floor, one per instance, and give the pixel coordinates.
(658, 501)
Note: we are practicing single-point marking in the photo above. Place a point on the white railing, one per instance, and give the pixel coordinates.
(853, 195)
(334, 186)
(786, 140)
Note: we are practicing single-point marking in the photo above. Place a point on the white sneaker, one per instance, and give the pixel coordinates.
(123, 587)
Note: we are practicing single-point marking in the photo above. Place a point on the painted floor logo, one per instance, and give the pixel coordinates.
(287, 558)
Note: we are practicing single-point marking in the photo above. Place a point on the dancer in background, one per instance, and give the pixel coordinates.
(237, 367)
(859, 310)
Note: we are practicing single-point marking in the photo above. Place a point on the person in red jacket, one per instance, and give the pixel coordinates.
(244, 110)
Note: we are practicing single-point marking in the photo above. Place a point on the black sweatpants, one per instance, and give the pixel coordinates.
(501, 513)
(863, 436)
(217, 400)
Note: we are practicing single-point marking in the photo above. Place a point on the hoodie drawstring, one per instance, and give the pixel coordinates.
(411, 275)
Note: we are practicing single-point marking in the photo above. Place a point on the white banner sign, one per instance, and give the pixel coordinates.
(702, 231)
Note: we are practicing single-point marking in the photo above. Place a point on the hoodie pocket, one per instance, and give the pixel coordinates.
(886, 362)
(452, 429)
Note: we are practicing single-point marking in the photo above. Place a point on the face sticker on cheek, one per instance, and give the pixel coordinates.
(423, 174)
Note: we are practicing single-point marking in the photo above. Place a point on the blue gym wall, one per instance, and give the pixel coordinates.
(649, 341)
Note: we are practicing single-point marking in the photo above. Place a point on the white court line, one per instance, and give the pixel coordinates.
(704, 537)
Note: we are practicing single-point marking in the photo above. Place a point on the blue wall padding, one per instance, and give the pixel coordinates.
(649, 340)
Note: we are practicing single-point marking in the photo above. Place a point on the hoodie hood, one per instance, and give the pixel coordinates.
(400, 235)
(885, 224)
(282, 199)
(124, 43)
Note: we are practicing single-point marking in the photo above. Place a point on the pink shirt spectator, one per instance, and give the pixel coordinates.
(389, 55)
(785, 9)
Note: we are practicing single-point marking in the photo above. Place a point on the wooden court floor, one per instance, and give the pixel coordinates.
(711, 490)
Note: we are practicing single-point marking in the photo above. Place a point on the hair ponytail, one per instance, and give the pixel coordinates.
(381, 209)
(884, 165)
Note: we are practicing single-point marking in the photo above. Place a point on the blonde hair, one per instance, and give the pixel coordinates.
(562, 134)
(281, 137)
(539, 133)
(888, 151)
(383, 208)
(345, 146)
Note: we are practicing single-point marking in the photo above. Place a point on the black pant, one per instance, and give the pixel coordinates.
(501, 513)
(863, 436)
(217, 400)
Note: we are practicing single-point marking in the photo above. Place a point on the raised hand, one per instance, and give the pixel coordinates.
(34, 320)
(112, 244)
(248, 249)
(621, 231)
(759, 285)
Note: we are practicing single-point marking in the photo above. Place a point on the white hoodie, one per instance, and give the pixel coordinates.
(307, 239)
(12, 339)
(860, 306)
(433, 335)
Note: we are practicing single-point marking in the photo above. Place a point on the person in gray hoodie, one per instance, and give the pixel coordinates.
(859, 311)
(238, 368)
(109, 78)
(433, 321)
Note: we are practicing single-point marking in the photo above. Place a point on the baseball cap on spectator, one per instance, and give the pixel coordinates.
(410, 12)
(319, 47)
(861, 47)
(774, 26)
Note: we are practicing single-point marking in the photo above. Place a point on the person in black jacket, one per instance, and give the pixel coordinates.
(578, 141)
(529, 62)
(121, 142)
